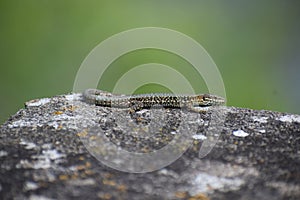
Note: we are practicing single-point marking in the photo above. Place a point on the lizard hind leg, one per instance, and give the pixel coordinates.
(135, 106)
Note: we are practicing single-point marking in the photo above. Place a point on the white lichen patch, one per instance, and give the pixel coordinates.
(167, 172)
(199, 137)
(29, 185)
(57, 120)
(48, 119)
(216, 176)
(262, 131)
(28, 145)
(21, 123)
(47, 159)
(52, 154)
(240, 133)
(206, 183)
(289, 118)
(260, 119)
(61, 112)
(3, 153)
(37, 102)
(39, 164)
(73, 97)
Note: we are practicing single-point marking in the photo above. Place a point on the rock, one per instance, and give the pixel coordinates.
(55, 148)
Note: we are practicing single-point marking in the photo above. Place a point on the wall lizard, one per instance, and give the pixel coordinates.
(140, 101)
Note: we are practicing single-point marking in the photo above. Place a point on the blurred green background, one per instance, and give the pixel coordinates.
(255, 45)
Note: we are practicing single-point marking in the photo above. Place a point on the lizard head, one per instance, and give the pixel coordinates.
(210, 100)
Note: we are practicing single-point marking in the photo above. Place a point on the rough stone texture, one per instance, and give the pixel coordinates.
(43, 156)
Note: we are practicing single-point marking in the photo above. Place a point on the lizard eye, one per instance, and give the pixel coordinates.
(205, 98)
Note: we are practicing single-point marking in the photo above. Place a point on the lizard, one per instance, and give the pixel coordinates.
(139, 101)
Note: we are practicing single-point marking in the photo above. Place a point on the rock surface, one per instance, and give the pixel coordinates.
(48, 150)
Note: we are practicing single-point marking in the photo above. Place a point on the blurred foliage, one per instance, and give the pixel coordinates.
(43, 43)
